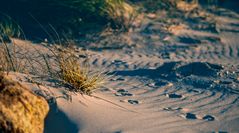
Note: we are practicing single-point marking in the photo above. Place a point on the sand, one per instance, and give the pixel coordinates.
(175, 76)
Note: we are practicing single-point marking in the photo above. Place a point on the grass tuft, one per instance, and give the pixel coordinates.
(76, 75)
(55, 61)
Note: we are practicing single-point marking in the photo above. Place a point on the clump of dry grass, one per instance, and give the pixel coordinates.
(58, 63)
(77, 75)
(55, 61)
(123, 14)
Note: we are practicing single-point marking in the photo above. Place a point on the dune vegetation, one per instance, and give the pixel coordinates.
(55, 18)
(68, 17)
(59, 62)
(119, 65)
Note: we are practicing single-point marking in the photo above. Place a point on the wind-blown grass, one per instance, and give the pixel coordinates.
(78, 76)
(8, 58)
(57, 62)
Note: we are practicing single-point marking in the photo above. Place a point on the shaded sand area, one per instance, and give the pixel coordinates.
(172, 74)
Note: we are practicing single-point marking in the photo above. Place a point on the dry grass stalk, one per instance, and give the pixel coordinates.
(58, 63)
(76, 74)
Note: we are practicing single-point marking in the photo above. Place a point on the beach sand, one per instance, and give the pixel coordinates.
(179, 75)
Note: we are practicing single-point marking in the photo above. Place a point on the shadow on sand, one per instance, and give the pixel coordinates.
(173, 71)
(57, 122)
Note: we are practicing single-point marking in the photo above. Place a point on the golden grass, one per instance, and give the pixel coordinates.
(55, 61)
(58, 63)
(122, 13)
(77, 75)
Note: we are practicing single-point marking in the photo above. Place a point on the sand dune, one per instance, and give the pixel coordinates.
(164, 81)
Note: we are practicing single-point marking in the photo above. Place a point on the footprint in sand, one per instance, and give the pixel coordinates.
(123, 92)
(131, 101)
(134, 102)
(176, 109)
(192, 116)
(173, 95)
(172, 109)
(208, 118)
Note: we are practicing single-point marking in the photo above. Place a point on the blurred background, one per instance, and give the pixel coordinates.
(77, 18)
